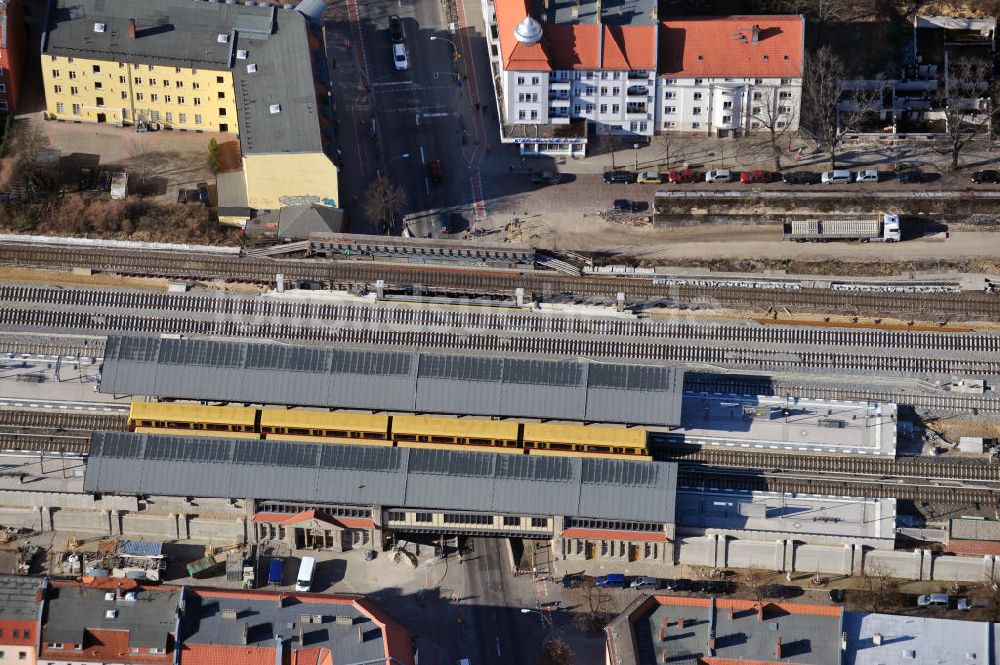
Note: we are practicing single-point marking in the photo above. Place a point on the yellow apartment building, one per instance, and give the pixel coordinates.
(203, 66)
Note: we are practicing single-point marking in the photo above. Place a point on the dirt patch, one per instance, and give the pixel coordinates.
(229, 156)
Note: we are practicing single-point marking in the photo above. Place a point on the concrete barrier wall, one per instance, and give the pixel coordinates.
(823, 559)
(753, 554)
(962, 569)
(697, 551)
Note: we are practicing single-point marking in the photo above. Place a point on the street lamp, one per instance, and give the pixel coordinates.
(405, 155)
(635, 146)
(455, 55)
(546, 619)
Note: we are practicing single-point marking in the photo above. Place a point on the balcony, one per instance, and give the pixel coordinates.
(559, 120)
(560, 86)
(559, 102)
(635, 111)
(638, 76)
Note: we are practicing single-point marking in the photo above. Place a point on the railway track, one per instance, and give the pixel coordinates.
(777, 360)
(903, 468)
(24, 443)
(57, 421)
(461, 281)
(698, 382)
(873, 490)
(524, 323)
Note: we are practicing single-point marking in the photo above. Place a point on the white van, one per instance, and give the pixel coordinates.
(307, 569)
(719, 175)
(840, 176)
(933, 600)
(867, 175)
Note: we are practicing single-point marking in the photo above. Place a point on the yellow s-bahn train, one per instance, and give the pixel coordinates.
(383, 430)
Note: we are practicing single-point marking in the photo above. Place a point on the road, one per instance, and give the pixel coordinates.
(501, 634)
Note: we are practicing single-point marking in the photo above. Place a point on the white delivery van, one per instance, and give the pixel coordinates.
(307, 569)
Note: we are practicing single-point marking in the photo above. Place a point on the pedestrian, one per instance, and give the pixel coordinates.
(510, 168)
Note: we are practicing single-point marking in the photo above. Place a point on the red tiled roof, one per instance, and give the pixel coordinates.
(742, 605)
(25, 632)
(573, 45)
(107, 645)
(612, 534)
(286, 519)
(711, 47)
(215, 654)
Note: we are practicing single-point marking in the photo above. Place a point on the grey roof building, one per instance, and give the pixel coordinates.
(19, 597)
(392, 380)
(314, 473)
(296, 222)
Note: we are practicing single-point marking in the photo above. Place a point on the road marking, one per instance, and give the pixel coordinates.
(422, 160)
(498, 646)
(427, 187)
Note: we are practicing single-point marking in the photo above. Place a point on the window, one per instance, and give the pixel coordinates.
(122, 79)
(197, 119)
(604, 89)
(780, 124)
(577, 109)
(58, 89)
(520, 80)
(73, 90)
(615, 108)
(154, 116)
(539, 521)
(149, 68)
(520, 97)
(16, 633)
(534, 114)
(222, 94)
(695, 125)
(766, 57)
(55, 73)
(534, 80)
(669, 81)
(222, 111)
(2, 654)
(77, 109)
(72, 75)
(195, 85)
(727, 105)
(697, 95)
(726, 119)
(182, 118)
(154, 98)
(521, 115)
(670, 109)
(166, 83)
(99, 101)
(616, 90)
(754, 125)
(22, 655)
(69, 60)
(696, 110)
(604, 108)
(758, 96)
(511, 520)
(669, 124)
(670, 95)
(167, 98)
(139, 96)
(698, 81)
(604, 76)
(170, 116)
(98, 85)
(59, 107)
(758, 81)
(786, 81)
(179, 84)
(616, 75)
(534, 96)
(396, 516)
(784, 109)
(197, 101)
(423, 518)
(180, 99)
(784, 94)
(97, 69)
(124, 95)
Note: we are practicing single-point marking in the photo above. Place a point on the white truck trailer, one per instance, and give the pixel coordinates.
(881, 227)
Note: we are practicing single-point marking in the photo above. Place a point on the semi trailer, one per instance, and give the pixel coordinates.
(881, 227)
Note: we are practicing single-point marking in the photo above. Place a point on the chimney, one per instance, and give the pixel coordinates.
(760, 611)
(777, 651)
(732, 613)
(302, 636)
(246, 632)
(279, 650)
(131, 28)
(361, 634)
(680, 624)
(755, 35)
(877, 639)
(118, 591)
(711, 643)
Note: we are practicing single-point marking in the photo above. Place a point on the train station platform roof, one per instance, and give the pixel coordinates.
(154, 464)
(352, 378)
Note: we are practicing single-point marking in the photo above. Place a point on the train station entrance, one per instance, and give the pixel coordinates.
(311, 529)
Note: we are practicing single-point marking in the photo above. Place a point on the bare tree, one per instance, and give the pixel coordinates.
(384, 200)
(774, 117)
(595, 608)
(140, 163)
(970, 101)
(816, 10)
(830, 107)
(875, 585)
(29, 171)
(556, 651)
(754, 578)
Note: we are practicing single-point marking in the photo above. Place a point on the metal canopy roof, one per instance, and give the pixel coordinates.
(127, 463)
(393, 380)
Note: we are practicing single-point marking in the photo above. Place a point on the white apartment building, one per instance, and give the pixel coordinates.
(613, 67)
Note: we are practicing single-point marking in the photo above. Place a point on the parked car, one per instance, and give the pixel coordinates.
(677, 585)
(645, 583)
(719, 175)
(396, 30)
(276, 570)
(546, 178)
(836, 177)
(399, 58)
(749, 177)
(779, 591)
(837, 595)
(649, 177)
(618, 177)
(435, 172)
(625, 205)
(721, 587)
(572, 581)
(987, 176)
(866, 175)
(203, 194)
(611, 581)
(910, 177)
(963, 604)
(801, 178)
(684, 177)
(933, 600)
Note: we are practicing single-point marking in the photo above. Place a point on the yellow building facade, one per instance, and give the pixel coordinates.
(91, 90)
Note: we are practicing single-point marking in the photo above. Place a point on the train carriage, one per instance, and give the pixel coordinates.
(324, 427)
(193, 419)
(590, 440)
(467, 433)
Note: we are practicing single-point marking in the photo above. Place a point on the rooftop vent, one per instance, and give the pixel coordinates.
(528, 31)
(222, 39)
(110, 595)
(251, 68)
(766, 57)
(228, 613)
(274, 109)
(111, 614)
(130, 597)
(242, 54)
(100, 27)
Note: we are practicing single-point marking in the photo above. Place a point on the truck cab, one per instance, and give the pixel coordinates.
(891, 228)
